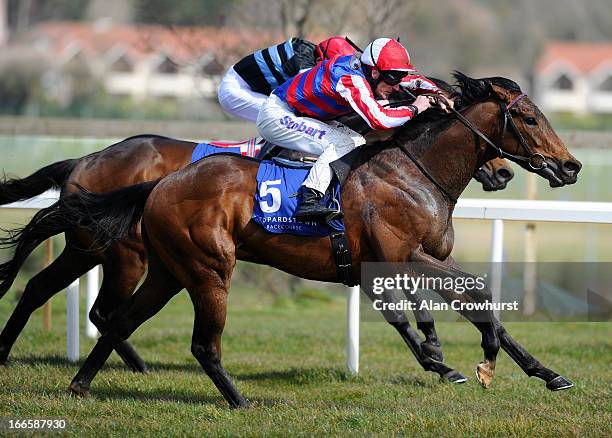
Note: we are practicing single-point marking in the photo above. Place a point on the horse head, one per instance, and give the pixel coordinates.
(494, 174)
(526, 135)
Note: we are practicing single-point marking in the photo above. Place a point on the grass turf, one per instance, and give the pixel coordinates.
(288, 359)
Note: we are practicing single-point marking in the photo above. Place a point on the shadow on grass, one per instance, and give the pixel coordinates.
(177, 396)
(300, 376)
(57, 362)
(296, 376)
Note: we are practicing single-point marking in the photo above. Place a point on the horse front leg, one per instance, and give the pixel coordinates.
(483, 320)
(486, 322)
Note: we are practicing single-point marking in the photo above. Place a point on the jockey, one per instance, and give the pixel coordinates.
(295, 113)
(247, 84)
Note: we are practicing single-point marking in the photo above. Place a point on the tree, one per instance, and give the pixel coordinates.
(21, 71)
(294, 14)
(24, 13)
(182, 12)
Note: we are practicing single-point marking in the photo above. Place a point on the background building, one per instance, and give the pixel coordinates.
(575, 77)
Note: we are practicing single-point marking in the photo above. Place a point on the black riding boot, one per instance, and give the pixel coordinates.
(310, 208)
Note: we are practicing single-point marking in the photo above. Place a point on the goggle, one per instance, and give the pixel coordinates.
(389, 77)
(392, 77)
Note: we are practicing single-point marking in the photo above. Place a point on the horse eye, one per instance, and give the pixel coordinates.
(531, 121)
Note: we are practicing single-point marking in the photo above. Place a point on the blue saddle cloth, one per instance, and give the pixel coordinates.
(274, 205)
(248, 148)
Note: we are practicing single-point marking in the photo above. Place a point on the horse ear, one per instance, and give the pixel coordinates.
(489, 86)
(498, 91)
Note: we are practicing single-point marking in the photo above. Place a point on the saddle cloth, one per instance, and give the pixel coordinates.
(249, 148)
(277, 182)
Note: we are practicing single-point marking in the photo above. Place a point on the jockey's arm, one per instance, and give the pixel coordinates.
(422, 85)
(356, 91)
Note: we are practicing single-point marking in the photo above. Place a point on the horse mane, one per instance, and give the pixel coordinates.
(476, 90)
(467, 92)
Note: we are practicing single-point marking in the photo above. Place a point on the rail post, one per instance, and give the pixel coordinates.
(497, 257)
(352, 329)
(72, 321)
(530, 275)
(93, 281)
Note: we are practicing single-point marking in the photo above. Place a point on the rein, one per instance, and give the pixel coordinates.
(425, 172)
(508, 120)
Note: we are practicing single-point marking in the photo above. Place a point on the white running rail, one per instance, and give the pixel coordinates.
(497, 210)
(72, 292)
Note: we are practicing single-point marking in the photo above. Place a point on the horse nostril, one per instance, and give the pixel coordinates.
(505, 174)
(571, 166)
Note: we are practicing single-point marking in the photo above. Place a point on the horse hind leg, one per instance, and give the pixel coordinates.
(431, 345)
(123, 269)
(411, 338)
(158, 288)
(69, 266)
(210, 306)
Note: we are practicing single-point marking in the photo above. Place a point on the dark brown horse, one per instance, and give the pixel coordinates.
(394, 212)
(494, 175)
(133, 160)
(136, 159)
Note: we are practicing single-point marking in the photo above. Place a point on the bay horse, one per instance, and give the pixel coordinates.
(494, 175)
(398, 207)
(134, 160)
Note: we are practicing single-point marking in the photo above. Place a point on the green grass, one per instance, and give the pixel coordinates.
(287, 357)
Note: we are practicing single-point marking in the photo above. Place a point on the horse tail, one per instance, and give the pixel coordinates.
(51, 176)
(108, 217)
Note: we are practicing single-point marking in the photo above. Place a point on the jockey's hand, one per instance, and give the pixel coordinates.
(422, 103)
(442, 102)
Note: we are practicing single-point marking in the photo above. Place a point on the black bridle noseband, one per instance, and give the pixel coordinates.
(509, 121)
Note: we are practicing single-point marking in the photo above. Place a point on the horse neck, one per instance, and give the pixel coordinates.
(456, 153)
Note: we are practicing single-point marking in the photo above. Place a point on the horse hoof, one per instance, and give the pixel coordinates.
(140, 368)
(77, 390)
(432, 352)
(454, 377)
(3, 355)
(485, 371)
(241, 403)
(559, 383)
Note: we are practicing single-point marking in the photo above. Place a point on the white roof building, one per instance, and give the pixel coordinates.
(575, 78)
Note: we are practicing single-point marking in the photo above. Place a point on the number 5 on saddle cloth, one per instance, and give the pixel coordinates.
(275, 201)
(275, 205)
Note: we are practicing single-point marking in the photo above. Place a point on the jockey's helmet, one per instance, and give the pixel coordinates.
(333, 46)
(390, 58)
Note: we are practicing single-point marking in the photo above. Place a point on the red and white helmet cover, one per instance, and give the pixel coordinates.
(333, 46)
(388, 55)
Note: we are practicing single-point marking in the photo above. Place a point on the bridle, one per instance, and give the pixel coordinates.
(531, 160)
(509, 121)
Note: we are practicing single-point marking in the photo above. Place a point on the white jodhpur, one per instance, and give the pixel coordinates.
(279, 125)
